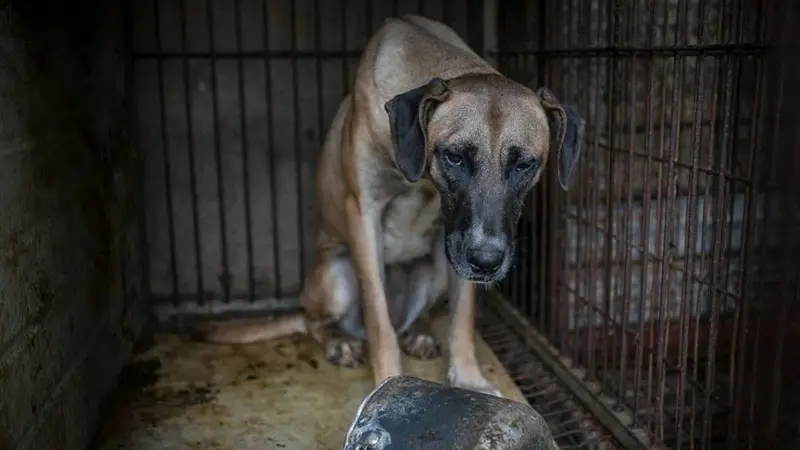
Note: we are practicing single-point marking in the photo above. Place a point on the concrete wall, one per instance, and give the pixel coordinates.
(185, 232)
(69, 276)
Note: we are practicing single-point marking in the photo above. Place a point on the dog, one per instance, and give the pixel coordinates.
(420, 182)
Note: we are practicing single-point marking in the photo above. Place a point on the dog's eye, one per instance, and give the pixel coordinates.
(453, 158)
(526, 166)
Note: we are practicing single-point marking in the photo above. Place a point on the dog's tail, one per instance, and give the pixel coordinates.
(249, 331)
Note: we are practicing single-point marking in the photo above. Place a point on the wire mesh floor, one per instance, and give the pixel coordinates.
(572, 425)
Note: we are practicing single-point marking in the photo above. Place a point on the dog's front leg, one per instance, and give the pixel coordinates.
(382, 346)
(464, 370)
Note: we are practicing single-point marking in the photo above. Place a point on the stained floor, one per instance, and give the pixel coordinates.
(182, 394)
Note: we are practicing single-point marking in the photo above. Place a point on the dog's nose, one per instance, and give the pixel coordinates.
(487, 258)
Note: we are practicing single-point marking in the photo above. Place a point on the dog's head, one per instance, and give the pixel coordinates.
(484, 141)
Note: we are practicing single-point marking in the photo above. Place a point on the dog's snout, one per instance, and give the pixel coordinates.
(487, 256)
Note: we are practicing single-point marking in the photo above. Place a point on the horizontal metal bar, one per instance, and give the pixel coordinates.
(641, 52)
(255, 54)
(165, 311)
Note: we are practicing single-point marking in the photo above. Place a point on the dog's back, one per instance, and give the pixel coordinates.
(420, 46)
(414, 43)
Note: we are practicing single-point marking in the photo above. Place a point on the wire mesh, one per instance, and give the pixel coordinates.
(571, 425)
(665, 271)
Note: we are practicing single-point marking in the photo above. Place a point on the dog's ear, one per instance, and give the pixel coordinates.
(409, 114)
(566, 134)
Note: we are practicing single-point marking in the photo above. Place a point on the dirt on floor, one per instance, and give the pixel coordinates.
(182, 394)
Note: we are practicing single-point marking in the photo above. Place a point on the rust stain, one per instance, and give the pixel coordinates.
(277, 394)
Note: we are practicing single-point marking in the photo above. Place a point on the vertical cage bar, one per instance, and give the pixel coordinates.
(368, 14)
(298, 149)
(749, 229)
(690, 238)
(318, 67)
(190, 150)
(683, 365)
(132, 88)
(646, 197)
(225, 277)
(345, 61)
(627, 241)
(700, 320)
(572, 277)
(245, 148)
(563, 289)
(162, 108)
(720, 218)
(271, 160)
(594, 247)
(551, 198)
(785, 189)
(614, 15)
(543, 300)
(583, 257)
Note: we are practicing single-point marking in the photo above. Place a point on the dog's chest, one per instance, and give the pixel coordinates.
(411, 221)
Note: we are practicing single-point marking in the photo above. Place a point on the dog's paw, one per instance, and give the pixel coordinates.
(345, 352)
(473, 382)
(420, 345)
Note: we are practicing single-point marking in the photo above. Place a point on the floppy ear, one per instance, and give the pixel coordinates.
(409, 114)
(566, 134)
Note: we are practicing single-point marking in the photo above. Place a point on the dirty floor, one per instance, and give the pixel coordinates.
(283, 394)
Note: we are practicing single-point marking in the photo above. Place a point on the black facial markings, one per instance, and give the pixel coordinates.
(458, 162)
(520, 165)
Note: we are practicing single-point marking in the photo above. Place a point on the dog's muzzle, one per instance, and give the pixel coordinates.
(486, 256)
(479, 256)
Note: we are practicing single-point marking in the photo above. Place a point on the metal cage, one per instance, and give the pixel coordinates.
(653, 304)
(665, 278)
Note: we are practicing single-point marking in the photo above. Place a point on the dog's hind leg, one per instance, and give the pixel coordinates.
(331, 302)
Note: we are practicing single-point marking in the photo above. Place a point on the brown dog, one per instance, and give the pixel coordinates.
(426, 163)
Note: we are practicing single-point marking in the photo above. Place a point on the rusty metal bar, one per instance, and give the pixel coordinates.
(613, 421)
(646, 227)
(541, 204)
(690, 239)
(571, 424)
(746, 249)
(615, 15)
(583, 38)
(631, 81)
(643, 52)
(250, 54)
